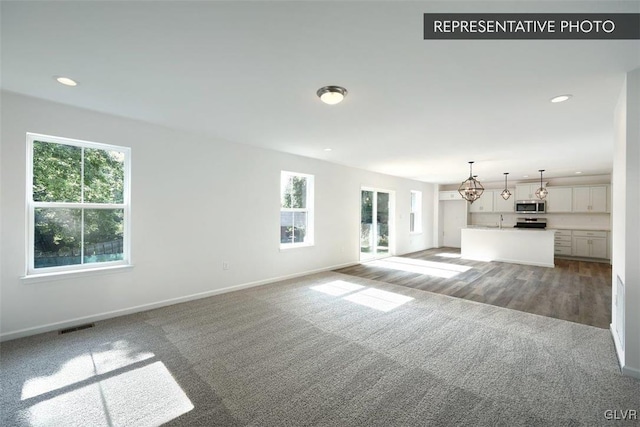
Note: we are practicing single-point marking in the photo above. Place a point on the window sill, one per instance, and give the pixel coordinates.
(414, 233)
(284, 248)
(62, 275)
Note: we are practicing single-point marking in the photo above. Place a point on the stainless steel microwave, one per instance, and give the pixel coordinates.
(531, 206)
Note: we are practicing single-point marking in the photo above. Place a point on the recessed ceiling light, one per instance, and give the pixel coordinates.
(66, 81)
(331, 94)
(561, 98)
(525, 176)
(578, 172)
(327, 149)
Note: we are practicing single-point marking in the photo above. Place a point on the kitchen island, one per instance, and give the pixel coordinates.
(514, 245)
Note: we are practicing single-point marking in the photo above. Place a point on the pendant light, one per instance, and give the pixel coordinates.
(471, 189)
(505, 193)
(541, 192)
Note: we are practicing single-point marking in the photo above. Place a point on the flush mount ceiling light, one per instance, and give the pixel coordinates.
(331, 94)
(505, 193)
(66, 81)
(327, 149)
(471, 189)
(541, 192)
(561, 98)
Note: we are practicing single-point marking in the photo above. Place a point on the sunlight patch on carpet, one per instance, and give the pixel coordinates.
(102, 359)
(378, 299)
(337, 288)
(146, 396)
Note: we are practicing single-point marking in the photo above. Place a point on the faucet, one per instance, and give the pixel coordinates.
(501, 219)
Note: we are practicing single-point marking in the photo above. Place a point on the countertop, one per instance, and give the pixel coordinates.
(582, 228)
(578, 228)
(509, 228)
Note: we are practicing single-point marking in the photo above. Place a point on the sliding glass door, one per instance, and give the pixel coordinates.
(375, 215)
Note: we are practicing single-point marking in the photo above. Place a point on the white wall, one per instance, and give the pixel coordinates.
(195, 203)
(626, 229)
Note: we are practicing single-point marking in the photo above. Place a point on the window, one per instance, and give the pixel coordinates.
(77, 204)
(415, 215)
(296, 209)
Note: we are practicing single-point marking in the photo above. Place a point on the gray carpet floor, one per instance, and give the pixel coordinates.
(323, 350)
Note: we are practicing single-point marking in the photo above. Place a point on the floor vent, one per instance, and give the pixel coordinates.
(76, 328)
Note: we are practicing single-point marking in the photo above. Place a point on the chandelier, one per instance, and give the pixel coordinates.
(505, 193)
(541, 192)
(471, 189)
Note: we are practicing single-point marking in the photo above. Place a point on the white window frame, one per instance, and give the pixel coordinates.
(31, 271)
(309, 232)
(415, 212)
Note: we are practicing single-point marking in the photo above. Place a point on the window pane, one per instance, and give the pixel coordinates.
(293, 227)
(56, 172)
(57, 237)
(414, 202)
(294, 192)
(103, 176)
(103, 235)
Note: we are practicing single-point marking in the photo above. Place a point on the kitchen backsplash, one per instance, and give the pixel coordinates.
(554, 220)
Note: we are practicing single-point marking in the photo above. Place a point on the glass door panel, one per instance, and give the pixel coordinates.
(367, 242)
(375, 211)
(382, 223)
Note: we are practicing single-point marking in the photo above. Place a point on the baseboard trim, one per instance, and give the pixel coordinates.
(21, 333)
(626, 370)
(585, 259)
(631, 372)
(617, 346)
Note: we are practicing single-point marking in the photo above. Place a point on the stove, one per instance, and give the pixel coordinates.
(540, 223)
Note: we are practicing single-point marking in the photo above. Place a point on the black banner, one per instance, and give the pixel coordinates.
(532, 26)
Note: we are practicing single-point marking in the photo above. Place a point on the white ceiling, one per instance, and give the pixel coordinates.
(247, 72)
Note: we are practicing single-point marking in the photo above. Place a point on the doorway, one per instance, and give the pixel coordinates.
(376, 209)
(454, 220)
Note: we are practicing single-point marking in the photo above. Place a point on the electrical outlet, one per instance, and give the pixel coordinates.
(225, 265)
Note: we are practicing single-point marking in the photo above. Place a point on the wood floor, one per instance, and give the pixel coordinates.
(577, 291)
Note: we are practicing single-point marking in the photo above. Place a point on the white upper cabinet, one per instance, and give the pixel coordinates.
(559, 199)
(483, 204)
(449, 195)
(599, 199)
(527, 191)
(590, 199)
(502, 205)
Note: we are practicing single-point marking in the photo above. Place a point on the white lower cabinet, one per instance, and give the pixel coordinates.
(580, 243)
(563, 242)
(592, 244)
